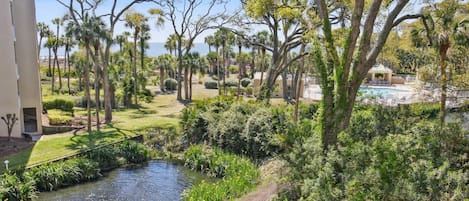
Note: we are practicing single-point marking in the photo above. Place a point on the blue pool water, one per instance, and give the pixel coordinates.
(380, 91)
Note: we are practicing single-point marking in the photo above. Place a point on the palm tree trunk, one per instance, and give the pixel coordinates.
(39, 47)
(96, 85)
(67, 63)
(53, 76)
(162, 78)
(186, 83)
(58, 70)
(135, 69)
(444, 82)
(190, 84)
(87, 88)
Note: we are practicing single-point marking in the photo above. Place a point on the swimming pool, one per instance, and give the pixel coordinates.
(381, 91)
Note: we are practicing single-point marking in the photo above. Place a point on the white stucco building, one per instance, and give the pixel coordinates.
(20, 91)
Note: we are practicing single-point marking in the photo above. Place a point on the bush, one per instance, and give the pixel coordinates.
(211, 85)
(245, 82)
(374, 162)
(170, 84)
(13, 187)
(239, 174)
(58, 117)
(106, 157)
(52, 176)
(249, 90)
(58, 103)
(233, 69)
(231, 83)
(146, 95)
(134, 152)
(81, 102)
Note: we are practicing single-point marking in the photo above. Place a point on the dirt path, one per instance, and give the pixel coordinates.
(264, 193)
(271, 172)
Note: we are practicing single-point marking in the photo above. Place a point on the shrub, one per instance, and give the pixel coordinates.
(245, 82)
(231, 83)
(170, 84)
(134, 152)
(146, 95)
(233, 69)
(58, 103)
(52, 176)
(106, 157)
(81, 102)
(13, 187)
(58, 117)
(423, 162)
(239, 174)
(249, 90)
(211, 84)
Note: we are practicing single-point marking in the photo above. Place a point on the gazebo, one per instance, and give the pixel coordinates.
(379, 74)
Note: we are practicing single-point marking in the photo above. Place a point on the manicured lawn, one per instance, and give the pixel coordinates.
(162, 112)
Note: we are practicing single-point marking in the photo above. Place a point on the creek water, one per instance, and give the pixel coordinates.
(156, 180)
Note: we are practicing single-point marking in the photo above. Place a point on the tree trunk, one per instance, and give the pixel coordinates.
(96, 85)
(218, 79)
(444, 81)
(87, 88)
(49, 71)
(108, 94)
(162, 78)
(58, 70)
(286, 91)
(53, 76)
(135, 70)
(179, 57)
(190, 84)
(67, 63)
(186, 83)
(39, 47)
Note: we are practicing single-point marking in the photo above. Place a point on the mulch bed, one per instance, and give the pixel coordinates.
(14, 146)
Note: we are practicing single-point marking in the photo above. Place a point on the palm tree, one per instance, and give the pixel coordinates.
(120, 39)
(171, 44)
(210, 41)
(226, 39)
(58, 22)
(262, 38)
(44, 31)
(164, 62)
(88, 33)
(50, 72)
(68, 44)
(135, 21)
(442, 30)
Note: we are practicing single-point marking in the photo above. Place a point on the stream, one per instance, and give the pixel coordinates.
(156, 180)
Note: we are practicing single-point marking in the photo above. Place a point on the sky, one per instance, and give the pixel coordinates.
(46, 10)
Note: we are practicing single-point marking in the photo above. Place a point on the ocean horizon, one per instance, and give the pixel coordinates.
(155, 49)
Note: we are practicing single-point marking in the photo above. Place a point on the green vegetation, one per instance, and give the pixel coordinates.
(385, 154)
(170, 84)
(58, 103)
(59, 117)
(239, 174)
(55, 175)
(210, 84)
(248, 128)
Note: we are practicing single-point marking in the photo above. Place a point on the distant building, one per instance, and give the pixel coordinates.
(19, 68)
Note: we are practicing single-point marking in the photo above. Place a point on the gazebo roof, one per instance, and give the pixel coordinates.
(380, 68)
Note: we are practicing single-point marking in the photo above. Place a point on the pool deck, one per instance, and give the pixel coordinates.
(410, 94)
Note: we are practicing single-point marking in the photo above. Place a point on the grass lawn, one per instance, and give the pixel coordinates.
(162, 112)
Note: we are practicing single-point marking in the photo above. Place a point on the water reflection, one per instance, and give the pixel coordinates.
(157, 180)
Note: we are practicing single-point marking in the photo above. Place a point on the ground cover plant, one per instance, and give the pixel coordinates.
(56, 175)
(238, 174)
